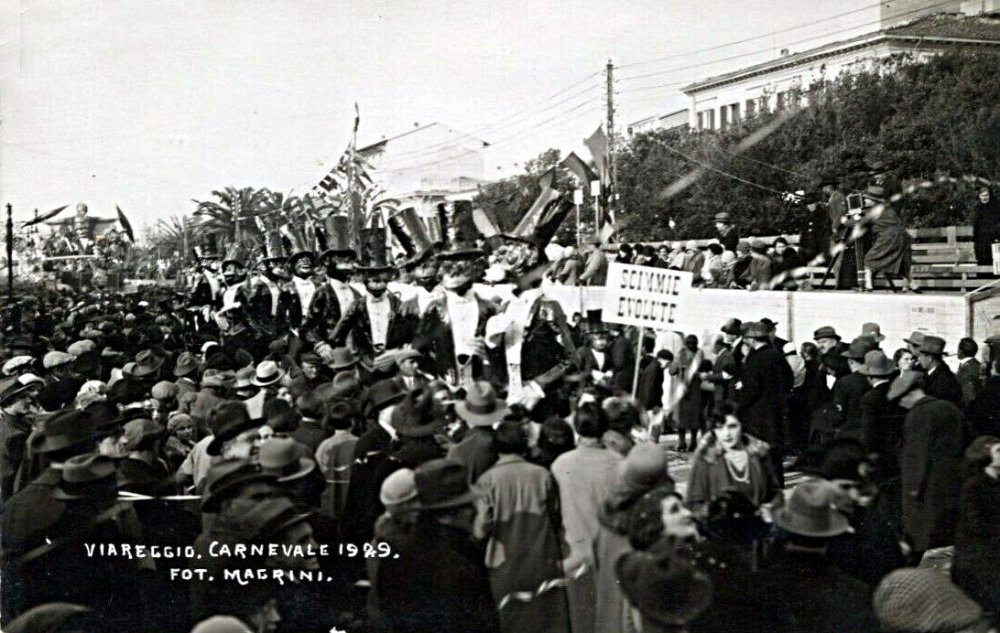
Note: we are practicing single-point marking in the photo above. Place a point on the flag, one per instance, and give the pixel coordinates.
(484, 223)
(579, 168)
(357, 117)
(125, 225)
(526, 226)
(46, 216)
(599, 149)
(550, 220)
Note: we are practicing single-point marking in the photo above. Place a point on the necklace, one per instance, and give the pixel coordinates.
(737, 476)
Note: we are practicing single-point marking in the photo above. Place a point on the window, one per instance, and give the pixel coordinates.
(750, 108)
(782, 101)
(734, 112)
(723, 117)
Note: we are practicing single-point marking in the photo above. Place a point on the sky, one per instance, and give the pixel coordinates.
(148, 104)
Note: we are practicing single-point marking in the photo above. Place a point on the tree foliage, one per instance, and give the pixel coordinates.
(925, 120)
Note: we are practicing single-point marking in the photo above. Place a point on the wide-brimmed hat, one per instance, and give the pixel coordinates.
(269, 518)
(87, 476)
(343, 358)
(916, 339)
(285, 458)
(733, 327)
(186, 364)
(268, 373)
(225, 479)
(924, 600)
(136, 431)
(665, 588)
(227, 420)
(49, 617)
(20, 387)
(343, 385)
(414, 416)
(64, 429)
(826, 332)
(405, 354)
(443, 483)
(146, 362)
(644, 468)
(877, 364)
(873, 331)
(756, 330)
(906, 382)
(382, 394)
(723, 217)
(933, 345)
(481, 406)
(244, 379)
(859, 347)
(810, 511)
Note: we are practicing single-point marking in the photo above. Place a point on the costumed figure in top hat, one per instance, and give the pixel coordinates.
(419, 262)
(380, 321)
(301, 264)
(531, 320)
(452, 327)
(234, 276)
(269, 289)
(334, 298)
(206, 293)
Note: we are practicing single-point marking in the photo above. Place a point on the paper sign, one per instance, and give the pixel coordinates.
(645, 296)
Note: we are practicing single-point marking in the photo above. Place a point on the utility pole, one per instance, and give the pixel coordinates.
(10, 253)
(612, 170)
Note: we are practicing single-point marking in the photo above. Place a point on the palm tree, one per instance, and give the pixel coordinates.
(230, 217)
(174, 235)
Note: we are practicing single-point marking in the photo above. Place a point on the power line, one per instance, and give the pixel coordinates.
(721, 172)
(760, 162)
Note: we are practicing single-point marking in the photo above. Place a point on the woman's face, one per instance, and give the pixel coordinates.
(678, 522)
(984, 196)
(906, 361)
(729, 433)
(185, 432)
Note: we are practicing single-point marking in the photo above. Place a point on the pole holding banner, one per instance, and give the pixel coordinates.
(577, 201)
(638, 360)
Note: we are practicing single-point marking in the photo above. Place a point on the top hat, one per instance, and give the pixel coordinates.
(442, 483)
(64, 429)
(825, 332)
(481, 406)
(86, 476)
(664, 587)
(873, 331)
(336, 231)
(810, 511)
(877, 364)
(225, 479)
(267, 373)
(274, 246)
(409, 230)
(458, 231)
(733, 327)
(297, 240)
(146, 362)
(374, 253)
(285, 458)
(859, 348)
(235, 254)
(723, 217)
(933, 345)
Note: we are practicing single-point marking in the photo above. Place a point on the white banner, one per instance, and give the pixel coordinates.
(645, 296)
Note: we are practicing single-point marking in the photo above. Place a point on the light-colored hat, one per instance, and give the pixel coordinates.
(923, 600)
(79, 348)
(56, 359)
(17, 363)
(481, 406)
(399, 487)
(268, 373)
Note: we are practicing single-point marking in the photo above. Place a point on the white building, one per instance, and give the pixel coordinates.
(427, 165)
(673, 120)
(915, 27)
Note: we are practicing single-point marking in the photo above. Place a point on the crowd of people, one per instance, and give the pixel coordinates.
(316, 439)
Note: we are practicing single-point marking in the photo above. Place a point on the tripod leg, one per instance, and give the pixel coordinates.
(829, 269)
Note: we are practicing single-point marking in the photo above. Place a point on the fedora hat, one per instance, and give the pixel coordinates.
(826, 332)
(442, 483)
(224, 480)
(146, 363)
(20, 387)
(933, 345)
(481, 406)
(810, 511)
(859, 347)
(906, 382)
(285, 458)
(664, 587)
(87, 476)
(343, 358)
(64, 429)
(756, 330)
(186, 364)
(343, 385)
(226, 421)
(382, 394)
(269, 518)
(414, 416)
(873, 331)
(244, 378)
(877, 364)
(733, 327)
(268, 373)
(406, 354)
(723, 216)
(340, 414)
(136, 431)
(916, 339)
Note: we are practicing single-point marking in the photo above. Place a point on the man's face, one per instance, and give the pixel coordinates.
(600, 342)
(408, 367)
(376, 287)
(664, 253)
(81, 210)
(780, 247)
(984, 196)
(24, 404)
(720, 226)
(826, 344)
(309, 370)
(303, 267)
